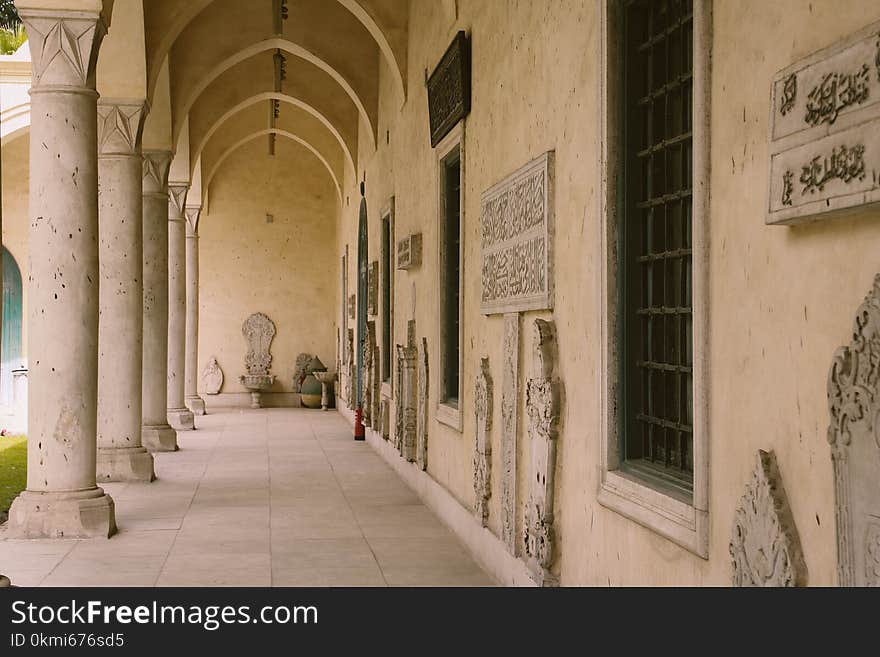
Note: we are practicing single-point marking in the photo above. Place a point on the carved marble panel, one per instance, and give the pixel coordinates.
(369, 349)
(352, 364)
(409, 252)
(259, 331)
(509, 429)
(422, 407)
(825, 132)
(483, 403)
(543, 401)
(405, 429)
(516, 240)
(373, 289)
(854, 435)
(212, 377)
(765, 546)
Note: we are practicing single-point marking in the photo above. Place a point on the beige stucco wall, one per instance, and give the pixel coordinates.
(285, 269)
(782, 299)
(15, 214)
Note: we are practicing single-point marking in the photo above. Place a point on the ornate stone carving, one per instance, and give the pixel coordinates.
(483, 402)
(156, 167)
(825, 132)
(509, 429)
(516, 234)
(259, 331)
(369, 349)
(854, 435)
(212, 377)
(543, 400)
(64, 49)
(386, 418)
(352, 364)
(422, 407)
(119, 127)
(409, 252)
(765, 546)
(300, 370)
(405, 429)
(373, 289)
(376, 383)
(449, 88)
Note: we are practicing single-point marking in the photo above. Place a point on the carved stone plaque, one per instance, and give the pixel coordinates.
(509, 429)
(373, 289)
(825, 132)
(483, 401)
(212, 377)
(516, 241)
(422, 419)
(352, 307)
(765, 546)
(449, 88)
(543, 400)
(854, 435)
(409, 252)
(405, 426)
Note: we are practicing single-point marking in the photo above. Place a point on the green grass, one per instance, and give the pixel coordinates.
(13, 469)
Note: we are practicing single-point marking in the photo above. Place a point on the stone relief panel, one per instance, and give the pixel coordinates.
(509, 429)
(449, 88)
(367, 374)
(765, 546)
(516, 240)
(352, 363)
(825, 132)
(854, 436)
(259, 331)
(376, 385)
(373, 289)
(352, 308)
(422, 407)
(483, 401)
(212, 377)
(543, 401)
(405, 428)
(386, 419)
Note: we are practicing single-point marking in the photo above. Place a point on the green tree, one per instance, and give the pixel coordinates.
(12, 33)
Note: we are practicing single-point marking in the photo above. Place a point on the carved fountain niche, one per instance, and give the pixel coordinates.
(258, 331)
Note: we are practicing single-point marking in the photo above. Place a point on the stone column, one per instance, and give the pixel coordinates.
(158, 436)
(62, 498)
(121, 455)
(193, 402)
(179, 416)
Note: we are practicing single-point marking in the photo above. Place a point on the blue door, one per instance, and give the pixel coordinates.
(11, 343)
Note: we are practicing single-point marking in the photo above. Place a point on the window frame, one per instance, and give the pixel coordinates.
(387, 268)
(446, 413)
(648, 502)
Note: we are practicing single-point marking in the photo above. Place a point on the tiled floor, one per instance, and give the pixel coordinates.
(278, 497)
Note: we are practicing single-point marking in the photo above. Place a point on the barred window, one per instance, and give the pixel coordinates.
(656, 242)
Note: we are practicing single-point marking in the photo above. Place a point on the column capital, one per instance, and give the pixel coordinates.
(193, 213)
(156, 167)
(64, 48)
(120, 126)
(177, 192)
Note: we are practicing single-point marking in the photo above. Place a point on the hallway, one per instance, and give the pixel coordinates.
(276, 497)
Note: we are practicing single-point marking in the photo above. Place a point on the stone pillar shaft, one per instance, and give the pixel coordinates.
(121, 455)
(158, 436)
(62, 496)
(179, 416)
(193, 402)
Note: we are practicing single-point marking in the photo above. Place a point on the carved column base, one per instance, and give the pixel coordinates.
(80, 514)
(126, 464)
(159, 438)
(196, 405)
(181, 419)
(256, 400)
